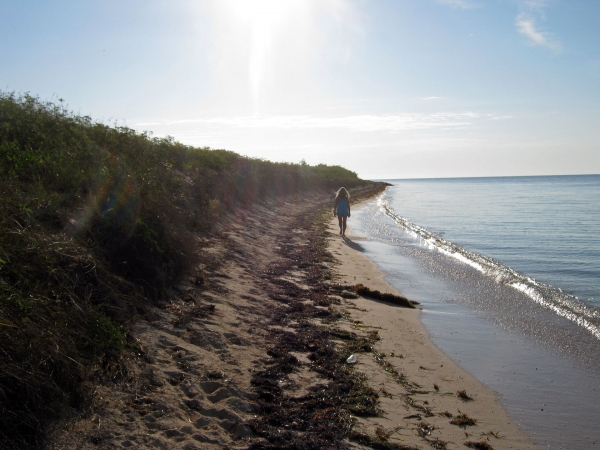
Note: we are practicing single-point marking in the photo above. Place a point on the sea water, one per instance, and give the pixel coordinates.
(507, 271)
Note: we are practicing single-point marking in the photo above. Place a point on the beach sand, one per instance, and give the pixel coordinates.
(436, 379)
(246, 353)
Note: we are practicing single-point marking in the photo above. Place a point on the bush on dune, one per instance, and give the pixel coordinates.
(95, 221)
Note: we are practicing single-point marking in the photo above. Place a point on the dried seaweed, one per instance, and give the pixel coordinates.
(424, 429)
(323, 417)
(397, 300)
(482, 445)
(463, 420)
(464, 396)
(374, 441)
(437, 444)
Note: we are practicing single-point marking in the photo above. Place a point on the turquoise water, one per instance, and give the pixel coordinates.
(507, 271)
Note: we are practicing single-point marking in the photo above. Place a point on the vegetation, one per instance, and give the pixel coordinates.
(95, 223)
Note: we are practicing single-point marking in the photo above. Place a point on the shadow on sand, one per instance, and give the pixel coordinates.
(353, 245)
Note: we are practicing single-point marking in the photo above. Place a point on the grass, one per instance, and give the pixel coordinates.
(95, 224)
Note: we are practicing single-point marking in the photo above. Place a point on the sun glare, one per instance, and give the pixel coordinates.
(265, 21)
(265, 50)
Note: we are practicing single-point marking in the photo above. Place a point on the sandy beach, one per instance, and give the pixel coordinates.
(425, 411)
(250, 351)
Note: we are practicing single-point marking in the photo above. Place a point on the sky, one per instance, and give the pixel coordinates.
(386, 88)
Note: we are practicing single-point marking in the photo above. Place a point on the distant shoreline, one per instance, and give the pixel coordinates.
(488, 177)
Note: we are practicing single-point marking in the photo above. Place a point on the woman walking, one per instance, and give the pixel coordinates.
(341, 209)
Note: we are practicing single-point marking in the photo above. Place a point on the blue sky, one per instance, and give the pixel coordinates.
(387, 88)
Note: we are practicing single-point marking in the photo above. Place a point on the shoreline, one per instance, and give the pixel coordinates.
(249, 351)
(540, 366)
(422, 362)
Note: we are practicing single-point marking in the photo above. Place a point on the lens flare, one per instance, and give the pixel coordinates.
(114, 201)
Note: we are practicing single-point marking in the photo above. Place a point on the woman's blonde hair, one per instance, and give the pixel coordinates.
(342, 193)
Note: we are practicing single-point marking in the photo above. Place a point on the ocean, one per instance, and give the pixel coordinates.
(507, 271)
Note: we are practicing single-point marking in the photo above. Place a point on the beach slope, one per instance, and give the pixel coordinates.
(424, 395)
(250, 350)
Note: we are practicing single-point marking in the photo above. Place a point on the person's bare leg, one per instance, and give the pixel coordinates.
(344, 226)
(340, 220)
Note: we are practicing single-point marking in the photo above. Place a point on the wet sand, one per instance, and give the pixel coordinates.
(422, 363)
(489, 329)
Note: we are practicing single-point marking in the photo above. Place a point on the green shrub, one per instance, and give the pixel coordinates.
(95, 223)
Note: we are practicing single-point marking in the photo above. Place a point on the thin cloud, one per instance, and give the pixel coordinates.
(526, 24)
(527, 27)
(536, 5)
(459, 4)
(361, 123)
